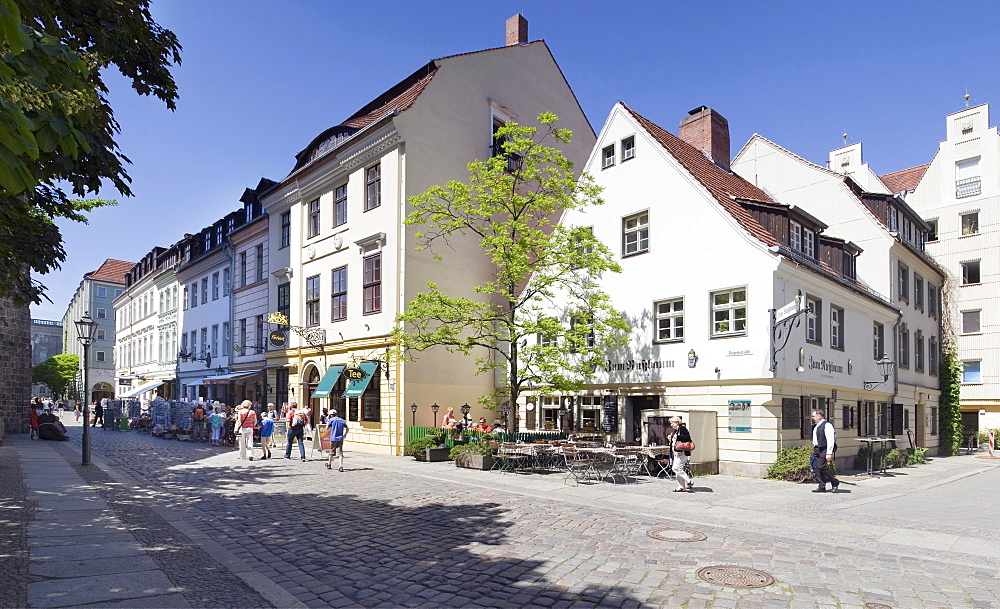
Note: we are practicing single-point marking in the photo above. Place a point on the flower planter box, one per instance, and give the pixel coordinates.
(480, 462)
(437, 454)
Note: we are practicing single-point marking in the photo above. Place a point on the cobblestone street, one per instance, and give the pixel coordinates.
(393, 532)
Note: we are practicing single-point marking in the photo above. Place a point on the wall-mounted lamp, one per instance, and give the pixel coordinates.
(885, 366)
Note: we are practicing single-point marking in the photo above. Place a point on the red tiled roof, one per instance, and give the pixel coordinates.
(905, 179)
(111, 270)
(723, 185)
(400, 102)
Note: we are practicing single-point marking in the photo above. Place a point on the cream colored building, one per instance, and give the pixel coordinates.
(706, 258)
(342, 265)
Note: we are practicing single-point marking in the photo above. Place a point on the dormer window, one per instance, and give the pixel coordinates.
(608, 156)
(208, 241)
(802, 239)
(808, 243)
(795, 236)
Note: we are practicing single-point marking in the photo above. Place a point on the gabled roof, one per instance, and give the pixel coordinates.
(723, 185)
(904, 179)
(111, 270)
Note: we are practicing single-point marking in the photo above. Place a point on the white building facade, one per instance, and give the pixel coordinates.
(892, 236)
(706, 256)
(958, 194)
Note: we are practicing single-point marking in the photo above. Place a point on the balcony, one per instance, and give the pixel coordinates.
(968, 187)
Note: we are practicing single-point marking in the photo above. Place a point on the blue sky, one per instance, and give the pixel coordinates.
(260, 79)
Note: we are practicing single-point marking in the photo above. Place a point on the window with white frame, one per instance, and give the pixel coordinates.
(340, 205)
(918, 351)
(215, 340)
(970, 223)
(371, 284)
(259, 263)
(795, 235)
(970, 272)
(314, 226)
(878, 341)
(808, 242)
(102, 292)
(635, 234)
(918, 292)
(215, 286)
(582, 331)
(970, 322)
(204, 290)
(101, 356)
(226, 280)
(903, 281)
(814, 320)
(225, 337)
(548, 406)
(932, 356)
(102, 313)
(102, 335)
(932, 300)
(589, 407)
(836, 327)
(338, 296)
(546, 340)
(312, 300)
(971, 371)
(373, 186)
(286, 229)
(607, 156)
(729, 312)
(967, 178)
(932, 234)
(628, 148)
(669, 320)
(118, 292)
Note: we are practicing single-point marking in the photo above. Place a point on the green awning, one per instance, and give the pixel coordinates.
(327, 382)
(357, 386)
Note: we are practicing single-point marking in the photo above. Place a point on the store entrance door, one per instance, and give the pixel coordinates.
(640, 403)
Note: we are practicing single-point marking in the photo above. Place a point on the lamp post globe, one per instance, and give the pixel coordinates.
(86, 329)
(413, 409)
(434, 409)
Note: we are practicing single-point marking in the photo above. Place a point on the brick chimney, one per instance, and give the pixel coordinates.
(708, 131)
(517, 30)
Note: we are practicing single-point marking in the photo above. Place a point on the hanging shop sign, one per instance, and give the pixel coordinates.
(739, 416)
(278, 338)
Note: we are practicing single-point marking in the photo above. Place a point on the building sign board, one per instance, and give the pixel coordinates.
(609, 418)
(278, 338)
(739, 416)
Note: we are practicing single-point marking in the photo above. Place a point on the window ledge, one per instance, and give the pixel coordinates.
(729, 335)
(668, 341)
(635, 254)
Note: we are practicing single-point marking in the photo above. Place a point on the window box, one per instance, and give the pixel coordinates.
(478, 462)
(432, 455)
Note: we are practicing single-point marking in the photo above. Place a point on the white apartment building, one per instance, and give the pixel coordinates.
(892, 236)
(147, 323)
(706, 257)
(341, 263)
(958, 195)
(251, 332)
(205, 280)
(94, 296)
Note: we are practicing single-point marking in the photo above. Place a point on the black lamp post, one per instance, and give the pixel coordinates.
(413, 409)
(466, 409)
(504, 411)
(86, 328)
(434, 409)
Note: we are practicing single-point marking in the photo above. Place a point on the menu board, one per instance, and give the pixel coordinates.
(609, 418)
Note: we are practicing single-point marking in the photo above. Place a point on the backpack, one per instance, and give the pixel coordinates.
(300, 420)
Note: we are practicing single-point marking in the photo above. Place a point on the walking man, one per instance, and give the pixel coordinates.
(296, 419)
(824, 439)
(246, 420)
(338, 432)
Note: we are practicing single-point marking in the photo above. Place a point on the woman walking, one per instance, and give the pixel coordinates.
(681, 445)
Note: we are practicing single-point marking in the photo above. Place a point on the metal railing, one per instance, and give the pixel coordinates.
(968, 187)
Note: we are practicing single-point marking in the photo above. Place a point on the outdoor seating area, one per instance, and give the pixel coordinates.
(587, 462)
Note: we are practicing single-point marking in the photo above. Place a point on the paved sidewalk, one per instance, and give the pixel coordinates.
(159, 523)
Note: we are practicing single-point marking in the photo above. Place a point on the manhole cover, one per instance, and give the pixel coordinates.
(735, 577)
(877, 606)
(676, 535)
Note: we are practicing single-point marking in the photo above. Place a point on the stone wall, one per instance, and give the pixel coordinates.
(15, 366)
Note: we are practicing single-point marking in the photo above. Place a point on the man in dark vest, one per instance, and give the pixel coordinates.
(824, 438)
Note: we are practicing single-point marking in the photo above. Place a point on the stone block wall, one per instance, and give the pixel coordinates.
(15, 366)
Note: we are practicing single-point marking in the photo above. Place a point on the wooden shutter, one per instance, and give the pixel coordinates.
(789, 413)
(805, 421)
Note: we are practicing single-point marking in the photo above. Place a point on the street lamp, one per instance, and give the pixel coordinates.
(434, 409)
(86, 329)
(504, 411)
(884, 368)
(413, 409)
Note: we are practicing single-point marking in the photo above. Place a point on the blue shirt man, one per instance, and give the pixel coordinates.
(338, 432)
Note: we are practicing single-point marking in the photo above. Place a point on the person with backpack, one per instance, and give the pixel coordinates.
(824, 439)
(246, 420)
(200, 419)
(297, 420)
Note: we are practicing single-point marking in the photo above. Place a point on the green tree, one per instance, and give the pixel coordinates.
(546, 273)
(950, 402)
(57, 128)
(57, 372)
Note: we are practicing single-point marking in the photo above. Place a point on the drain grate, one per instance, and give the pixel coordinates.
(735, 577)
(877, 606)
(676, 535)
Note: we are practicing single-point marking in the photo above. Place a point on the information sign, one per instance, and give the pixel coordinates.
(739, 416)
(609, 418)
